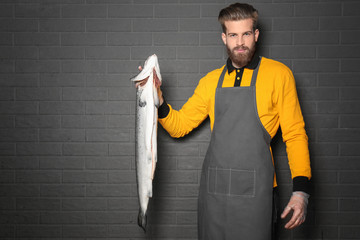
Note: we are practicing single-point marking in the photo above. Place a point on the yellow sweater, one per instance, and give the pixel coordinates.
(277, 104)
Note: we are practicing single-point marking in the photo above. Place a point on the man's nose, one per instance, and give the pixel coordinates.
(240, 41)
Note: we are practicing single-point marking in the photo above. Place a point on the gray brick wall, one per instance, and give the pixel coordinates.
(67, 111)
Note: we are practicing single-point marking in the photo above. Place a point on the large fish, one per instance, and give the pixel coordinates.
(147, 103)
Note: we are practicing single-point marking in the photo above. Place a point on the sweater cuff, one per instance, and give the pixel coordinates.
(163, 110)
(302, 184)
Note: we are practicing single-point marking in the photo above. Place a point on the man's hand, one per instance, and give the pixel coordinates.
(156, 81)
(298, 204)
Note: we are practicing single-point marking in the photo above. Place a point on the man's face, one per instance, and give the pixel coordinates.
(240, 39)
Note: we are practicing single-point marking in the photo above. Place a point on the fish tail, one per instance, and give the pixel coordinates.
(142, 220)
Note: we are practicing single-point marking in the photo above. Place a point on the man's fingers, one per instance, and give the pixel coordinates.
(285, 212)
(296, 219)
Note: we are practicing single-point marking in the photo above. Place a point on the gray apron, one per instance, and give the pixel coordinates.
(236, 186)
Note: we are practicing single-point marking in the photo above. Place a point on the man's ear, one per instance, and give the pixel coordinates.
(223, 37)
(257, 33)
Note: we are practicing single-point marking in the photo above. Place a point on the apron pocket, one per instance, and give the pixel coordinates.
(231, 182)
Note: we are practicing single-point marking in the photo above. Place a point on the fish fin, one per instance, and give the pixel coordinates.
(142, 219)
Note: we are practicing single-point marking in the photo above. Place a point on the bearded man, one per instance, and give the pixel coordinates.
(246, 100)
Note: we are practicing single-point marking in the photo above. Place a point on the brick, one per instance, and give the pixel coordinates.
(19, 80)
(316, 37)
(128, 204)
(349, 232)
(350, 149)
(179, 66)
(350, 94)
(107, 135)
(350, 121)
(19, 190)
(274, 9)
(61, 25)
(350, 37)
(7, 203)
(7, 121)
(6, 39)
(62, 218)
(127, 231)
(19, 25)
(84, 11)
(107, 108)
(84, 204)
(87, 231)
(122, 67)
(285, 52)
(83, 39)
(81, 66)
(37, 177)
(209, 65)
(37, 11)
(7, 66)
(338, 52)
(36, 39)
(339, 135)
(108, 25)
(18, 162)
(296, 24)
(108, 217)
(336, 107)
(276, 38)
(122, 149)
(59, 108)
(122, 177)
(318, 9)
(7, 94)
(62, 80)
(88, 121)
(61, 135)
(187, 191)
(177, 11)
(316, 66)
(61, 53)
(131, 11)
(7, 11)
(320, 121)
(320, 149)
(61, 162)
(44, 66)
(143, 53)
(24, 231)
(18, 53)
(7, 176)
(107, 53)
(109, 80)
(84, 94)
(177, 231)
(155, 25)
(20, 218)
(113, 163)
(41, 94)
(200, 52)
(61, 190)
(339, 23)
(108, 190)
(202, 24)
(349, 8)
(351, 205)
(350, 65)
(122, 94)
(37, 121)
(129, 39)
(339, 79)
(316, 94)
(181, 38)
(88, 149)
(18, 135)
(210, 38)
(39, 149)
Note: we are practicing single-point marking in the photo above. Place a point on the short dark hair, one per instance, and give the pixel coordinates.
(238, 11)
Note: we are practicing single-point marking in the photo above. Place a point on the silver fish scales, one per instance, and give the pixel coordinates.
(147, 103)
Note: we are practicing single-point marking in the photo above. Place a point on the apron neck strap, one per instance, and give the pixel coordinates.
(253, 79)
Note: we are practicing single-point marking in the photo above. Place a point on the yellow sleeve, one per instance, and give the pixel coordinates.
(293, 126)
(194, 111)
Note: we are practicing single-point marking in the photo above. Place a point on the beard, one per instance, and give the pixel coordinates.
(241, 59)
